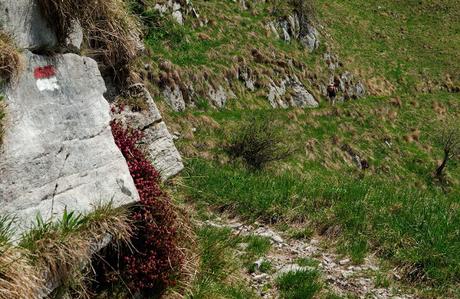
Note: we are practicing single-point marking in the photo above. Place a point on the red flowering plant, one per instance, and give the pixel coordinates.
(152, 260)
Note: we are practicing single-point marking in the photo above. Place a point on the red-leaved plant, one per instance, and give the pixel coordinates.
(153, 263)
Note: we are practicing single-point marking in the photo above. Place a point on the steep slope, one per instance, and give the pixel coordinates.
(361, 175)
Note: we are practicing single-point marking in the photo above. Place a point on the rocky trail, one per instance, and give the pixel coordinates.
(339, 274)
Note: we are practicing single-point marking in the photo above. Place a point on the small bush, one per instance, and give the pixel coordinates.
(156, 258)
(258, 142)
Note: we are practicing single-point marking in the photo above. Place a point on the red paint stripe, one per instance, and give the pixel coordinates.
(44, 72)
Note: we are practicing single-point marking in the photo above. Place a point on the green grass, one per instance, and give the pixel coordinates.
(411, 227)
(6, 230)
(303, 284)
(394, 208)
(403, 41)
(219, 266)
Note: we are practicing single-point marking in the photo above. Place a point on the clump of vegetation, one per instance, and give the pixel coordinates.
(57, 253)
(9, 58)
(449, 139)
(393, 209)
(301, 284)
(219, 266)
(111, 33)
(258, 142)
(18, 279)
(61, 251)
(2, 115)
(153, 260)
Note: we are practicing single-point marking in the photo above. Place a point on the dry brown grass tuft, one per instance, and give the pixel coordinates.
(111, 33)
(189, 249)
(18, 279)
(2, 115)
(64, 259)
(61, 252)
(9, 58)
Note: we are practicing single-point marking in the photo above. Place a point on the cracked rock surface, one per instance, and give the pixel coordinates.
(58, 150)
(157, 141)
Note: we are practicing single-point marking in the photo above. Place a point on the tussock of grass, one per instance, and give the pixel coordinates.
(18, 278)
(302, 284)
(218, 275)
(9, 58)
(58, 253)
(111, 33)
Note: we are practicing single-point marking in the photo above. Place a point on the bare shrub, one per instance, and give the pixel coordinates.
(258, 142)
(449, 138)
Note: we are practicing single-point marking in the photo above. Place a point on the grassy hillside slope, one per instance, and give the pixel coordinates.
(413, 44)
(407, 54)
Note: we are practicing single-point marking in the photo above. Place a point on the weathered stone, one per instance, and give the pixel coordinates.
(174, 97)
(269, 233)
(292, 268)
(58, 150)
(298, 95)
(311, 39)
(245, 74)
(302, 97)
(75, 38)
(218, 96)
(158, 141)
(23, 20)
(291, 28)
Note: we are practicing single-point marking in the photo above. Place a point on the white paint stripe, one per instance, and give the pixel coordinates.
(48, 84)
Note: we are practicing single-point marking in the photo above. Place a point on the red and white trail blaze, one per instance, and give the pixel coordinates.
(46, 78)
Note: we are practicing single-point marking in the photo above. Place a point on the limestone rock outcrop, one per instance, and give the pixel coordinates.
(292, 28)
(58, 151)
(23, 20)
(157, 140)
(290, 92)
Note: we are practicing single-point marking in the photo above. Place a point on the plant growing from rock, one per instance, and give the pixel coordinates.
(258, 142)
(149, 265)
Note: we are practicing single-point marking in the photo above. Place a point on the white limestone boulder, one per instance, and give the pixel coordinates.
(58, 151)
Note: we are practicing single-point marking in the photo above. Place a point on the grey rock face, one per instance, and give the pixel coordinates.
(177, 9)
(218, 96)
(290, 92)
(159, 142)
(290, 28)
(23, 20)
(58, 150)
(174, 97)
